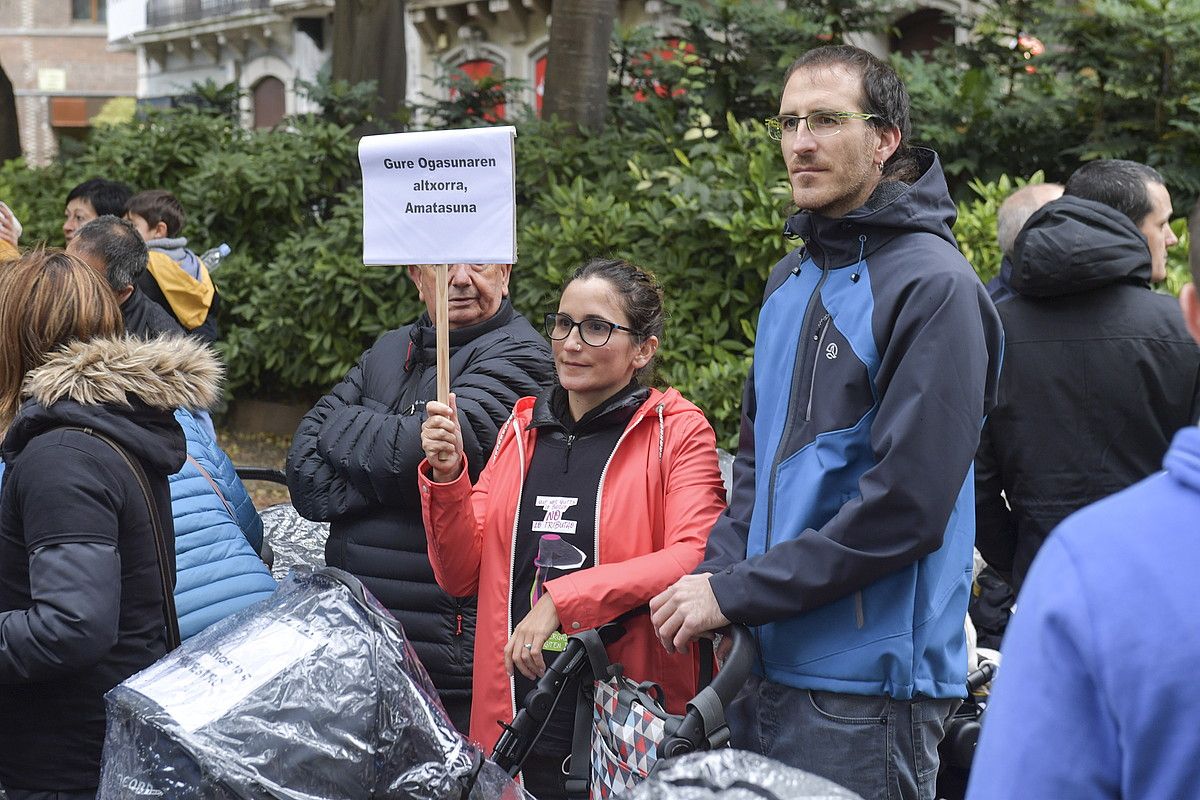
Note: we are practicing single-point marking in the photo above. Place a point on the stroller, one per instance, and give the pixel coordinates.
(622, 732)
(312, 693)
(957, 749)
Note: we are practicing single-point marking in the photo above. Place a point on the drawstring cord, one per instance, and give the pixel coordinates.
(661, 432)
(862, 246)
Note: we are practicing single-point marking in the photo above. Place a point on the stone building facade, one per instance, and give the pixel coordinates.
(511, 38)
(262, 46)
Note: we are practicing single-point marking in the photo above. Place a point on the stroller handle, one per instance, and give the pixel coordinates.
(982, 676)
(703, 726)
(736, 669)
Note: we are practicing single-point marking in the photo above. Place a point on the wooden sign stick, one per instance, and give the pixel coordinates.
(441, 324)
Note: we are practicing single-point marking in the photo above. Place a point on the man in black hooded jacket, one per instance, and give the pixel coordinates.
(354, 458)
(1099, 371)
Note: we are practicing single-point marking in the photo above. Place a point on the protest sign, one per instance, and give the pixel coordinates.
(439, 197)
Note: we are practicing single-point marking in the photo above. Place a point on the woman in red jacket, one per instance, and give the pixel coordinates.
(600, 493)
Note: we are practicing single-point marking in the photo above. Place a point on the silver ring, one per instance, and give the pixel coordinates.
(528, 645)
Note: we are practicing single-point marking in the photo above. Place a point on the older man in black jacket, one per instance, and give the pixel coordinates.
(354, 458)
(1099, 371)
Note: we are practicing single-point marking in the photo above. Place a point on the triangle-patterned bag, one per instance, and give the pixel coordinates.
(628, 725)
(622, 728)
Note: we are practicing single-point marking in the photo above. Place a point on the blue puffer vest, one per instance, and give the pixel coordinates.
(217, 536)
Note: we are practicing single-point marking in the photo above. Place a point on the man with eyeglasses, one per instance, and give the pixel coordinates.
(847, 541)
(354, 458)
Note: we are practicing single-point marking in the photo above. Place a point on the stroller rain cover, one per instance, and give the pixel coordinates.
(312, 694)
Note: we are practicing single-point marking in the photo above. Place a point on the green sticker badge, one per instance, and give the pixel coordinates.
(556, 643)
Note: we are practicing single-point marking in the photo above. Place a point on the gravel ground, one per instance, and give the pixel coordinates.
(258, 450)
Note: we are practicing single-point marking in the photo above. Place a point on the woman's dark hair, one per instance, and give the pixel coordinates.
(640, 295)
(106, 197)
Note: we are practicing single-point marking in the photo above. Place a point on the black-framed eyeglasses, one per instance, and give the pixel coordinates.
(593, 331)
(819, 123)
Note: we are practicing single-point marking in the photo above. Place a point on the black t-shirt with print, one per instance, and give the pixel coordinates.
(558, 500)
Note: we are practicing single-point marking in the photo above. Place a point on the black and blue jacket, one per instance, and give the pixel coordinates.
(848, 538)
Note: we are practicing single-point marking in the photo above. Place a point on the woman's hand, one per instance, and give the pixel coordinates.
(441, 439)
(10, 226)
(524, 649)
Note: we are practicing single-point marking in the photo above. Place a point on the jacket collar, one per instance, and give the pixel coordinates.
(422, 348)
(552, 411)
(893, 209)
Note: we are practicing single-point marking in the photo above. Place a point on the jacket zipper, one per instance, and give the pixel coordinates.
(512, 558)
(567, 457)
(600, 486)
(797, 372)
(819, 336)
(457, 641)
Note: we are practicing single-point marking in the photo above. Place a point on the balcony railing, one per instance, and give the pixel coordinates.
(160, 13)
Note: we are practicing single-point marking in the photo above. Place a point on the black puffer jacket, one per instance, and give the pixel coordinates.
(354, 462)
(80, 590)
(1099, 373)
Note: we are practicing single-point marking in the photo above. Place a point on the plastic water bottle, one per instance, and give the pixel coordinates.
(213, 258)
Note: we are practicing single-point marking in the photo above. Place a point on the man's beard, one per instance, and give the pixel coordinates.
(854, 194)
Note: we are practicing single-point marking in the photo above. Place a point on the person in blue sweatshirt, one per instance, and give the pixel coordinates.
(1095, 697)
(848, 538)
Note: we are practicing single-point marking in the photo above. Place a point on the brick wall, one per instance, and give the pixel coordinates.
(40, 35)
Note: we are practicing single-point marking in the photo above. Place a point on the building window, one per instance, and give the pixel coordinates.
(539, 82)
(476, 70)
(268, 98)
(922, 32)
(89, 10)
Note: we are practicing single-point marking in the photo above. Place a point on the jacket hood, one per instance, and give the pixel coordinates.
(893, 209)
(657, 407)
(660, 404)
(1072, 245)
(124, 388)
(178, 250)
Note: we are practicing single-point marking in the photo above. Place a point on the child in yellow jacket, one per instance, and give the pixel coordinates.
(175, 278)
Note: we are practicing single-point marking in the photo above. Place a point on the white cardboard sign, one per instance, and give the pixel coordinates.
(439, 197)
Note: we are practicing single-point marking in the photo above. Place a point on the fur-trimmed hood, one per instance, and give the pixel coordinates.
(126, 388)
(165, 373)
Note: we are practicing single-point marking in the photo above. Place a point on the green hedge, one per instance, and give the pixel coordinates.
(703, 209)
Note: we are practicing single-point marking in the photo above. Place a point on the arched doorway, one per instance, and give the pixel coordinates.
(269, 102)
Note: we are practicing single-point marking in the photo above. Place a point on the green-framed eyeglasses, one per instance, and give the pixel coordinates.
(820, 123)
